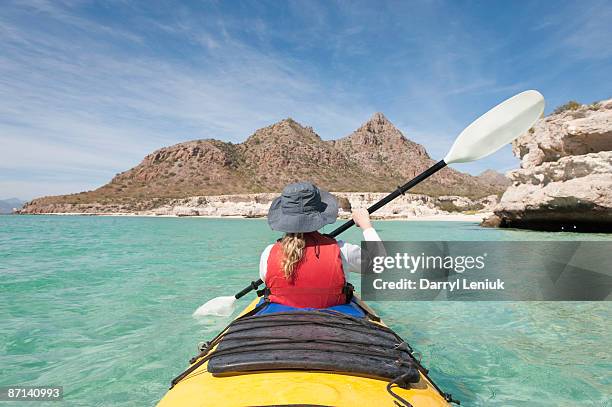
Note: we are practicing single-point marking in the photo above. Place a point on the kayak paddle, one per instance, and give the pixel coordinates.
(487, 134)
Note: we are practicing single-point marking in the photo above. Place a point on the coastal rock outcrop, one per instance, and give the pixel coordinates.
(587, 129)
(565, 179)
(409, 206)
(256, 205)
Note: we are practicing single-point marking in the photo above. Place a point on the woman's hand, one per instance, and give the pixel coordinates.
(362, 218)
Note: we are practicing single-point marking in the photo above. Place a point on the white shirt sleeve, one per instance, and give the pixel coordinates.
(263, 262)
(351, 253)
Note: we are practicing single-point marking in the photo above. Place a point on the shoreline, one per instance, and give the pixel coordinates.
(450, 217)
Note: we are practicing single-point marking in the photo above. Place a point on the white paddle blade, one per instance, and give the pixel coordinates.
(498, 127)
(220, 306)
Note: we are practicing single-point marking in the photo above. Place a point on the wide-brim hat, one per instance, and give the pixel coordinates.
(302, 208)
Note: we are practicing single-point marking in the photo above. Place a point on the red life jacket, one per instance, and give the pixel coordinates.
(318, 279)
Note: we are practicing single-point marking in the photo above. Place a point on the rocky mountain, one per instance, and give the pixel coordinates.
(388, 159)
(374, 158)
(565, 179)
(493, 177)
(8, 205)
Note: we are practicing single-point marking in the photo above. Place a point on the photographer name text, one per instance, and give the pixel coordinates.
(426, 284)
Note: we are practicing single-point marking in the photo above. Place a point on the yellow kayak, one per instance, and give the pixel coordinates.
(322, 358)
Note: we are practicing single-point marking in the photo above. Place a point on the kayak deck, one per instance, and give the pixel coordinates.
(312, 358)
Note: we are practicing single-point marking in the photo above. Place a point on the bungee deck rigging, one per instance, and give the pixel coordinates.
(312, 340)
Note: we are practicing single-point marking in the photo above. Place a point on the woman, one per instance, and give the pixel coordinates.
(304, 268)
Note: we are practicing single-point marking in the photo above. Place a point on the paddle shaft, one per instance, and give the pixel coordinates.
(399, 191)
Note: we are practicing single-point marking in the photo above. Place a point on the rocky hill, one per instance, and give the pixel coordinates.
(565, 179)
(493, 177)
(374, 158)
(9, 205)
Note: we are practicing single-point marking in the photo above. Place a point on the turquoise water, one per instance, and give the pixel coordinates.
(102, 306)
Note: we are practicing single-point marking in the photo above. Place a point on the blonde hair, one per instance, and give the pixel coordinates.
(293, 249)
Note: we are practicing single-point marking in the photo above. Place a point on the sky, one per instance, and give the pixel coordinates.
(88, 89)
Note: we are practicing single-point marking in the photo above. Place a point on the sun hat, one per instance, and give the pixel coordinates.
(302, 208)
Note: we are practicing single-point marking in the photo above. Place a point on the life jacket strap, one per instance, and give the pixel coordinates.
(305, 291)
(347, 290)
(264, 292)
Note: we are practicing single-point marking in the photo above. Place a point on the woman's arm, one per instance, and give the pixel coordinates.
(263, 262)
(351, 253)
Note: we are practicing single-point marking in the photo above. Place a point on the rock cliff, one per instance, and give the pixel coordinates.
(565, 179)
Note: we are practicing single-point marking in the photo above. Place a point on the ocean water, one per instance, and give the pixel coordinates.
(102, 306)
